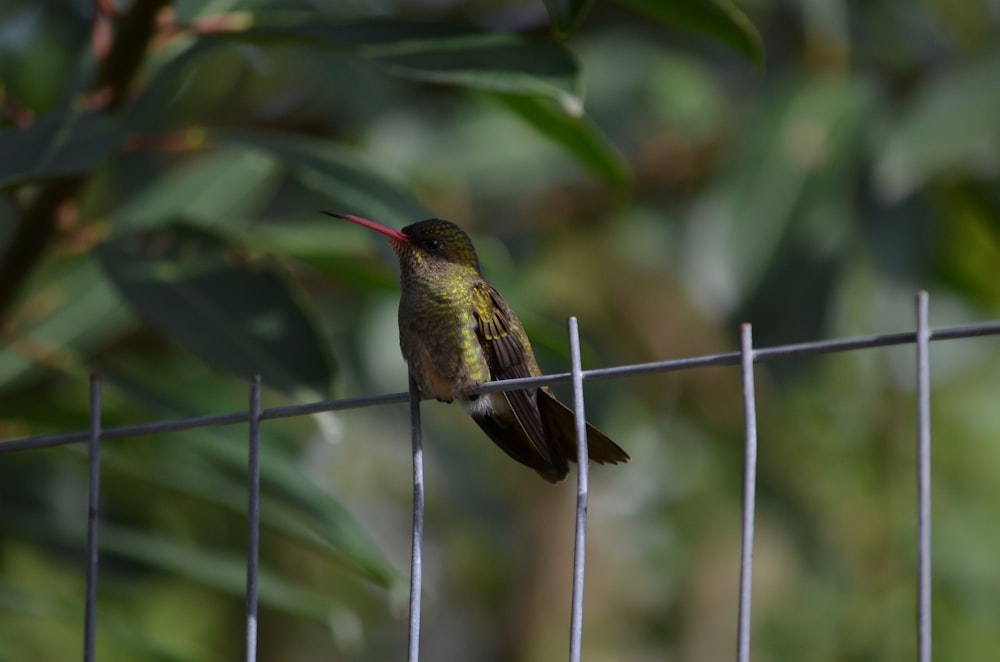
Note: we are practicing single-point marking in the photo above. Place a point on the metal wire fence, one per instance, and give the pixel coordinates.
(745, 358)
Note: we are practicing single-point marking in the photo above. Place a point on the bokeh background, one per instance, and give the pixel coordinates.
(662, 170)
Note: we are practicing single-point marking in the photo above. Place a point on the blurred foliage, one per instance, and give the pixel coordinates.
(638, 164)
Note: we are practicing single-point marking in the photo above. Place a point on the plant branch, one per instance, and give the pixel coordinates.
(37, 225)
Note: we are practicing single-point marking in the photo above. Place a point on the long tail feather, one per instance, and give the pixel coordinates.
(561, 428)
(508, 434)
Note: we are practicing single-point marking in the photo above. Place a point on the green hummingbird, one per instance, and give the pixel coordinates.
(456, 332)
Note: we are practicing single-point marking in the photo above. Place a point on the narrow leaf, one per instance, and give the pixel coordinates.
(567, 15)
(221, 188)
(339, 175)
(951, 124)
(221, 569)
(62, 143)
(437, 53)
(577, 134)
(786, 158)
(211, 463)
(506, 64)
(290, 503)
(721, 20)
(66, 313)
(240, 321)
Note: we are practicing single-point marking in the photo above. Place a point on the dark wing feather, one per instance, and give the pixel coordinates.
(506, 356)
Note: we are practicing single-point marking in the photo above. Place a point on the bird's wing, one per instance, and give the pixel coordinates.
(506, 356)
(505, 353)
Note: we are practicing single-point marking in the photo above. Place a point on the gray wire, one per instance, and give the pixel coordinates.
(582, 463)
(93, 515)
(732, 358)
(253, 518)
(923, 482)
(749, 492)
(416, 555)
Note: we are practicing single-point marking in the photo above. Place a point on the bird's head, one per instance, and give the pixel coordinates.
(433, 245)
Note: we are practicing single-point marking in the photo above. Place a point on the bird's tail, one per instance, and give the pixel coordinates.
(560, 426)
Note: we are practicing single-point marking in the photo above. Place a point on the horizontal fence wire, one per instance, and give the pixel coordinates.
(761, 355)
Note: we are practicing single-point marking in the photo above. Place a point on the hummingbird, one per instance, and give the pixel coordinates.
(456, 332)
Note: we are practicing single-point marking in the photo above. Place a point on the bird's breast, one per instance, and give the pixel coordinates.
(442, 349)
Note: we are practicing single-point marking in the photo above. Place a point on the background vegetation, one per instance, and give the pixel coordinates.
(644, 167)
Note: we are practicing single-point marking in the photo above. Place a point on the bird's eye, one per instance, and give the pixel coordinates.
(432, 244)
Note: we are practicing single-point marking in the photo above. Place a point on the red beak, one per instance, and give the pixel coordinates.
(392, 233)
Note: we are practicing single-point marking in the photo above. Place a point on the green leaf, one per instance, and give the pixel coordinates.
(67, 311)
(187, 10)
(720, 19)
(335, 173)
(577, 134)
(220, 188)
(567, 15)
(160, 103)
(290, 503)
(238, 320)
(496, 63)
(211, 465)
(63, 143)
(221, 569)
(437, 53)
(784, 174)
(334, 248)
(952, 123)
(308, 28)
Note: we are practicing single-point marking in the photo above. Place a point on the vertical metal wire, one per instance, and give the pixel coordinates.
(253, 518)
(923, 482)
(582, 460)
(93, 512)
(749, 491)
(416, 557)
